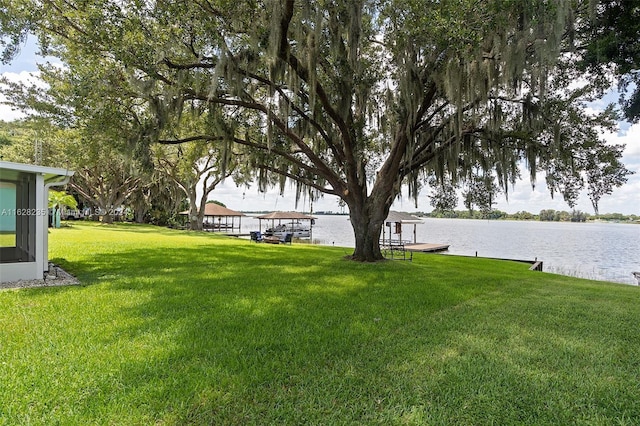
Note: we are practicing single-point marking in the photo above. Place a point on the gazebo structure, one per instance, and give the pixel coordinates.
(220, 219)
(394, 222)
(393, 240)
(24, 194)
(290, 222)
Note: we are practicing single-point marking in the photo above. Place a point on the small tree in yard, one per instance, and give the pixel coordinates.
(193, 165)
(60, 199)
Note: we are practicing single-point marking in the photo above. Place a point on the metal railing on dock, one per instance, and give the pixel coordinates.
(395, 250)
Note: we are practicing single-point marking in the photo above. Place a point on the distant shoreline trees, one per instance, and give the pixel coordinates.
(548, 215)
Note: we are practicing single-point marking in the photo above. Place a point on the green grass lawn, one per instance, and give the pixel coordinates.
(171, 327)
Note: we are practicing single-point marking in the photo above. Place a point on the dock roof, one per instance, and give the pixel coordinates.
(402, 217)
(286, 215)
(213, 209)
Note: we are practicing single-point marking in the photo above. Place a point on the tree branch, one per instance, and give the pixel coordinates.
(304, 181)
(172, 65)
(284, 53)
(190, 139)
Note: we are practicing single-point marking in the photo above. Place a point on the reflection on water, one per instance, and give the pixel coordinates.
(599, 251)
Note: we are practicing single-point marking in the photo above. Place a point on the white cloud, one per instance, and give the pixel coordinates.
(22, 76)
(8, 113)
(631, 138)
(249, 199)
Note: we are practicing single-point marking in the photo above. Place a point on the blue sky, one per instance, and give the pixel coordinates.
(522, 197)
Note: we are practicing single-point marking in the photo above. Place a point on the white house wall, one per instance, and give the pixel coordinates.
(37, 234)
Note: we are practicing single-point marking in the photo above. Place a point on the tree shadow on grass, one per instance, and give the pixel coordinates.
(258, 323)
(245, 333)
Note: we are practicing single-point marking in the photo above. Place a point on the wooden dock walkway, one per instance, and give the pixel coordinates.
(426, 247)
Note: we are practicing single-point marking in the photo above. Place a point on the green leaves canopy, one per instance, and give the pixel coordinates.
(349, 98)
(610, 44)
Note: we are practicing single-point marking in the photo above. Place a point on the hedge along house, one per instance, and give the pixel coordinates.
(24, 193)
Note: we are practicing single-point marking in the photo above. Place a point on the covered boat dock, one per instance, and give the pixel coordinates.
(288, 220)
(393, 244)
(220, 219)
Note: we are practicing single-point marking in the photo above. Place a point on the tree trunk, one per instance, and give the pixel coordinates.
(103, 209)
(195, 221)
(367, 218)
(203, 205)
(195, 224)
(139, 214)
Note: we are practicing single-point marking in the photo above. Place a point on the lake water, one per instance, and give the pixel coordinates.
(599, 251)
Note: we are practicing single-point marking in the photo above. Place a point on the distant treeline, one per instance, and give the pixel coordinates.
(544, 215)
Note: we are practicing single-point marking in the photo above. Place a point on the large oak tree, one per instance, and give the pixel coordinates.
(352, 98)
